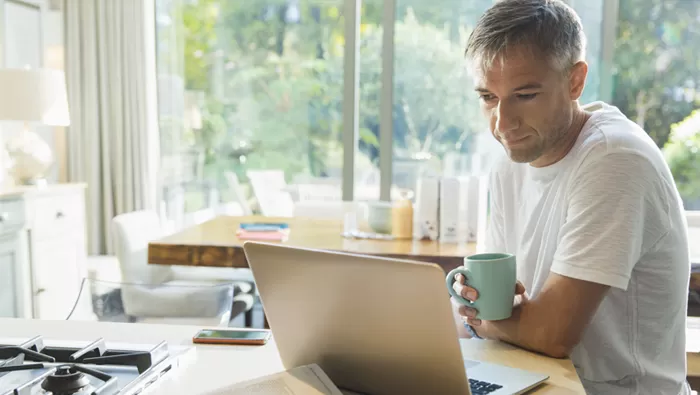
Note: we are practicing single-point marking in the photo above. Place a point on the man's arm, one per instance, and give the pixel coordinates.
(552, 323)
(616, 210)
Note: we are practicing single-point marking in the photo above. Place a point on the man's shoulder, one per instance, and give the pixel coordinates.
(609, 135)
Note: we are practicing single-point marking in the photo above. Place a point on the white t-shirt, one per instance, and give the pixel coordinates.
(608, 213)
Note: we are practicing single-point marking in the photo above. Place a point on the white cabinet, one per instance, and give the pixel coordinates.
(55, 259)
(9, 260)
(47, 259)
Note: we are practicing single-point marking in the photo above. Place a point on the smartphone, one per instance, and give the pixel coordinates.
(232, 336)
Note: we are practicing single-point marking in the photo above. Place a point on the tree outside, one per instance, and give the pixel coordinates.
(657, 77)
(269, 74)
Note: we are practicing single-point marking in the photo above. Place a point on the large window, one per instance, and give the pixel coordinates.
(247, 86)
(656, 81)
(255, 85)
(438, 126)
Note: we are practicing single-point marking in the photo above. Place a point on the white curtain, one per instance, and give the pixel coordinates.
(113, 137)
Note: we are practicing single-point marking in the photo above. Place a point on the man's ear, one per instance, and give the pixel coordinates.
(577, 79)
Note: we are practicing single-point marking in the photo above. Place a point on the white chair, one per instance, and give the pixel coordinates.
(132, 233)
(269, 188)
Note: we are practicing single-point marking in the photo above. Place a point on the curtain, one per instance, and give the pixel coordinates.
(113, 137)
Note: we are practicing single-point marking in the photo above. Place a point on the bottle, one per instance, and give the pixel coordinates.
(402, 217)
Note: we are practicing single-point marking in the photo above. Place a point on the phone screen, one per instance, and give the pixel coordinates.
(233, 334)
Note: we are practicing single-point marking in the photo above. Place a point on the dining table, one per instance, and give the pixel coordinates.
(215, 243)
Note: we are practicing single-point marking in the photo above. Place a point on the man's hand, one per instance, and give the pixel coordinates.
(468, 314)
(552, 323)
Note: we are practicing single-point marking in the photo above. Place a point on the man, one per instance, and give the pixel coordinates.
(588, 206)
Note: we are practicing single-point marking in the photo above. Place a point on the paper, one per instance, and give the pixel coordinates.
(304, 380)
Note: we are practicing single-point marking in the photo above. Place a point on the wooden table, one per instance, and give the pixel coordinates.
(563, 379)
(215, 244)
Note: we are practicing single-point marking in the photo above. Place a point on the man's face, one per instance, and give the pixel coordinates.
(528, 104)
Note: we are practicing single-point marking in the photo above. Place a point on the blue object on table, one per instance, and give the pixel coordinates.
(264, 227)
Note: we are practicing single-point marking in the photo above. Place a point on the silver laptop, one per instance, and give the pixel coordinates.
(374, 325)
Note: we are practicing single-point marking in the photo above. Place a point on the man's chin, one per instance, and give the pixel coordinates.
(519, 156)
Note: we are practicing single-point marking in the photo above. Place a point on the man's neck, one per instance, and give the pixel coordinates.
(566, 143)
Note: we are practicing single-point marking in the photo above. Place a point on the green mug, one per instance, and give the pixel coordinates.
(493, 275)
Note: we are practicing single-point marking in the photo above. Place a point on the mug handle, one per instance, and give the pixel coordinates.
(451, 280)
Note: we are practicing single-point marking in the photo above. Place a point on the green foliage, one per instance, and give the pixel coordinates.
(656, 63)
(278, 83)
(198, 30)
(435, 108)
(682, 152)
(283, 84)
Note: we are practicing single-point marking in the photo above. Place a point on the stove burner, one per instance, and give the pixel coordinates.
(65, 380)
(74, 370)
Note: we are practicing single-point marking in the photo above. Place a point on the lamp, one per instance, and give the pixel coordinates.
(32, 96)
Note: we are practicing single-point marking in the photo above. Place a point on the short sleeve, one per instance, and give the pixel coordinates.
(615, 211)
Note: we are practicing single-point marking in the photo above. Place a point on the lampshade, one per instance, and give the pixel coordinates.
(34, 95)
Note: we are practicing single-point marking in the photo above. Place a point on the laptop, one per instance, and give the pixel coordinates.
(374, 325)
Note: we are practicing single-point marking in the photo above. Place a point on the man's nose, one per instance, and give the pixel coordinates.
(506, 118)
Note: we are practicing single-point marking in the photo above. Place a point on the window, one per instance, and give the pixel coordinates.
(438, 128)
(656, 77)
(259, 85)
(246, 86)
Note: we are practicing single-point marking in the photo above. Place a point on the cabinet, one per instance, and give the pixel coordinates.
(43, 252)
(9, 249)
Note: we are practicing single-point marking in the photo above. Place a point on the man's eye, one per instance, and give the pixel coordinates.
(487, 98)
(528, 96)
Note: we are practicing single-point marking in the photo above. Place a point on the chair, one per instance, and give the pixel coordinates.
(269, 188)
(132, 233)
(210, 305)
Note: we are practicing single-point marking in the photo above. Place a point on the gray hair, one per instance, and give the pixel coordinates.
(545, 27)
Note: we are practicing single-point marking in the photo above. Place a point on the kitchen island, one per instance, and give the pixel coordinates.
(212, 367)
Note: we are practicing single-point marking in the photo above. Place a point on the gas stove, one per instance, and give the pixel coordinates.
(50, 367)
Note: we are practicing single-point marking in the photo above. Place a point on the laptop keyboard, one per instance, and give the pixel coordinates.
(482, 387)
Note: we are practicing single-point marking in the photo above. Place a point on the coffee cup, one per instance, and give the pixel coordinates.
(379, 216)
(493, 275)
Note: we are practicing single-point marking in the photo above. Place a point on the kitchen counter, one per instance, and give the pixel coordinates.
(217, 366)
(33, 190)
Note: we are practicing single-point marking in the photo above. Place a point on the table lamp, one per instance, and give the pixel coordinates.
(32, 96)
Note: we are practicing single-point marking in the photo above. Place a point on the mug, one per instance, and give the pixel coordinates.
(493, 275)
(379, 216)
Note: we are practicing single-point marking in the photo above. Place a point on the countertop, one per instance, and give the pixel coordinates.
(218, 366)
(31, 190)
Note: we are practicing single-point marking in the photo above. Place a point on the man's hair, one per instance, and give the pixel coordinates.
(547, 28)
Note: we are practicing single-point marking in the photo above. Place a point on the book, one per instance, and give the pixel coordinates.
(303, 380)
(263, 227)
(262, 236)
(263, 231)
